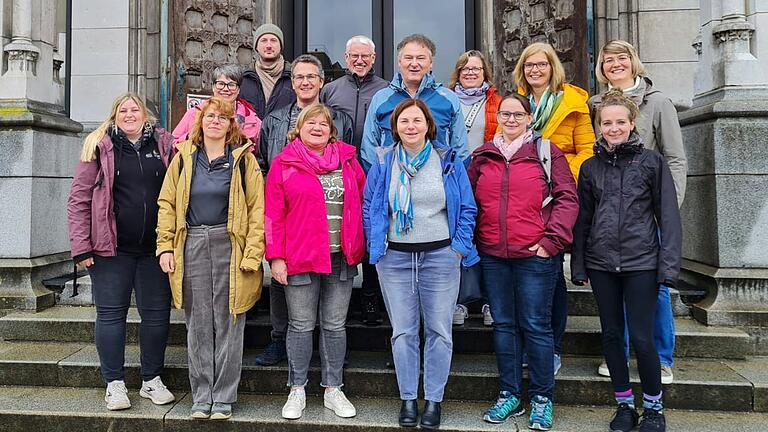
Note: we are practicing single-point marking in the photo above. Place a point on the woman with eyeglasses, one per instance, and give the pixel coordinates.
(210, 240)
(526, 211)
(560, 114)
(472, 81)
(227, 82)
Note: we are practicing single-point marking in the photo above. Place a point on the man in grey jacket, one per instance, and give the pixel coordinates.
(307, 79)
(352, 94)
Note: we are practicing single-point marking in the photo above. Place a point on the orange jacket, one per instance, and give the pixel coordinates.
(570, 127)
(492, 102)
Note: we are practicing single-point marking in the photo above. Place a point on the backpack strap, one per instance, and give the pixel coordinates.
(472, 114)
(545, 159)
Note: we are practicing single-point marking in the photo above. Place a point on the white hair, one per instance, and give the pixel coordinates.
(360, 39)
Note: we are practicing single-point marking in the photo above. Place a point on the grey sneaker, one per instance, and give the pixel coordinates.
(487, 317)
(460, 314)
(200, 411)
(117, 396)
(221, 411)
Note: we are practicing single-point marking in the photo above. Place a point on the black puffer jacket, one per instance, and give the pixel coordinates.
(626, 198)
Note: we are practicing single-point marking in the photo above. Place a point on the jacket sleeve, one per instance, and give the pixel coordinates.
(371, 134)
(473, 173)
(181, 131)
(558, 232)
(275, 213)
(670, 226)
(459, 135)
(583, 141)
(264, 146)
(581, 230)
(465, 225)
(368, 196)
(359, 178)
(79, 209)
(253, 253)
(670, 141)
(344, 126)
(166, 215)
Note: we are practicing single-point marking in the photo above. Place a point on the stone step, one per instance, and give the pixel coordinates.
(75, 324)
(67, 409)
(699, 384)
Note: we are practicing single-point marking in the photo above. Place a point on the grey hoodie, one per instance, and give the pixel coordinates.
(659, 129)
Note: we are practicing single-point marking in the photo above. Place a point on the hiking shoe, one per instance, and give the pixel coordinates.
(653, 421)
(558, 363)
(602, 370)
(156, 391)
(507, 405)
(335, 401)
(541, 414)
(487, 317)
(200, 411)
(666, 374)
(625, 418)
(460, 314)
(117, 396)
(273, 354)
(294, 406)
(221, 411)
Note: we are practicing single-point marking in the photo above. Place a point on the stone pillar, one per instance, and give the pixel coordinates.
(725, 212)
(38, 151)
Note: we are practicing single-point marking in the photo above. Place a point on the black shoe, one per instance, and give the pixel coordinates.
(653, 421)
(273, 354)
(625, 419)
(370, 310)
(430, 418)
(409, 413)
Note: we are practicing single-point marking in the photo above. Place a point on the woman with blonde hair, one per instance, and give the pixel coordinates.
(560, 115)
(210, 240)
(112, 216)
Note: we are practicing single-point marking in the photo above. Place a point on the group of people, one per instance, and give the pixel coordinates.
(432, 189)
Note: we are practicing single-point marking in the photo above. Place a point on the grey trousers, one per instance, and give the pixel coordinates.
(214, 337)
(307, 295)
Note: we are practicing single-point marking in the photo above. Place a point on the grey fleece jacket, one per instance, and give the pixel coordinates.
(659, 129)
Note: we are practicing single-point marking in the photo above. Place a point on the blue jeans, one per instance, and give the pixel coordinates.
(663, 331)
(520, 293)
(559, 305)
(421, 286)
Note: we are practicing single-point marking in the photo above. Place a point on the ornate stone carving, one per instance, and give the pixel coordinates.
(733, 31)
(21, 59)
(697, 45)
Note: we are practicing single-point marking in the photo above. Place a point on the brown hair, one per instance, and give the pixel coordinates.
(463, 60)
(310, 111)
(234, 134)
(402, 106)
(556, 79)
(520, 98)
(618, 47)
(419, 39)
(615, 97)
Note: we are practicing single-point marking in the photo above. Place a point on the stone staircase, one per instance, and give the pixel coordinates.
(49, 378)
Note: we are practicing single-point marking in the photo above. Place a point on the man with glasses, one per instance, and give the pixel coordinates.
(352, 94)
(414, 80)
(268, 85)
(307, 79)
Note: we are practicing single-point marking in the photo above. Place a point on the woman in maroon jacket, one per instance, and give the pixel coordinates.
(526, 210)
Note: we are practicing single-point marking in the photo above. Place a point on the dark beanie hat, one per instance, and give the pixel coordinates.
(268, 29)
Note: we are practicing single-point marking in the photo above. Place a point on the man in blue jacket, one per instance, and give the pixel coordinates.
(414, 80)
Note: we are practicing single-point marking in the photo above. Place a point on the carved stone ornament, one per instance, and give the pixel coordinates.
(697, 45)
(733, 31)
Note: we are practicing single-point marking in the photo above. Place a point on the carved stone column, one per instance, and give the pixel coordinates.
(21, 54)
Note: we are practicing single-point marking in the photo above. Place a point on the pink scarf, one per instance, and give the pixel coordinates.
(508, 149)
(329, 161)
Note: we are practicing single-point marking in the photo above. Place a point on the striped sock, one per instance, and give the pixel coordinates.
(653, 402)
(625, 397)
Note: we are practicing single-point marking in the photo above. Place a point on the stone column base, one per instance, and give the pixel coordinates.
(21, 279)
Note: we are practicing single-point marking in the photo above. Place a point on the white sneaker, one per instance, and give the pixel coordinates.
(117, 396)
(602, 370)
(487, 317)
(335, 401)
(460, 314)
(156, 391)
(294, 407)
(666, 374)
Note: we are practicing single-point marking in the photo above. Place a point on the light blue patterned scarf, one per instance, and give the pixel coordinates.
(403, 206)
(546, 106)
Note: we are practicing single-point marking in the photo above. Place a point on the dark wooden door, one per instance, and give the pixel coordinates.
(206, 34)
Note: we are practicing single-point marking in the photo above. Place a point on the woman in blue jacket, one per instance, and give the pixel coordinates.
(419, 217)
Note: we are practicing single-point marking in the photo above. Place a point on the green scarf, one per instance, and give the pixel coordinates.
(543, 111)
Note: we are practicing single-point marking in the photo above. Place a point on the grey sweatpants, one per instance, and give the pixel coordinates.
(214, 337)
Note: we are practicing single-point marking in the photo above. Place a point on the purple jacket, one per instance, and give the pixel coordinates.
(91, 221)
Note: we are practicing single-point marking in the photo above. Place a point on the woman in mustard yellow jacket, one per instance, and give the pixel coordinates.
(210, 240)
(561, 115)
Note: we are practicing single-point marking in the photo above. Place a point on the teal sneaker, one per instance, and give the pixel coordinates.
(506, 405)
(541, 414)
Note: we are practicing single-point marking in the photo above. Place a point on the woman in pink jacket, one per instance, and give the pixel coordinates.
(227, 86)
(314, 233)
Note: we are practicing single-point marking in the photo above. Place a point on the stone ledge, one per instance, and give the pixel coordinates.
(28, 113)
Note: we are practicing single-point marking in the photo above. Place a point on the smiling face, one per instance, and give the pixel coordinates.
(268, 47)
(472, 74)
(360, 59)
(225, 88)
(412, 128)
(130, 118)
(415, 61)
(306, 83)
(215, 124)
(316, 132)
(538, 70)
(615, 125)
(512, 128)
(618, 69)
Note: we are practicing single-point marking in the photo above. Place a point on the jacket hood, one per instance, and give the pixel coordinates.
(428, 81)
(633, 145)
(574, 98)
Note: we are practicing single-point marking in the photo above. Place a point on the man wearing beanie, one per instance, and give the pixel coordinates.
(268, 85)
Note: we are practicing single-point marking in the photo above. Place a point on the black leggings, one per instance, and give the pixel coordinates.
(637, 290)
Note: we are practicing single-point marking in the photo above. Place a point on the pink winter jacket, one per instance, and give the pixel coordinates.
(91, 220)
(251, 122)
(296, 226)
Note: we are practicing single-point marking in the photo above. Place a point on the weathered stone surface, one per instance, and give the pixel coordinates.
(756, 371)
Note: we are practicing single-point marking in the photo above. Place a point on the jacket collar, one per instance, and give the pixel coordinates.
(427, 82)
(187, 148)
(288, 155)
(489, 149)
(633, 146)
(447, 154)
